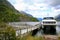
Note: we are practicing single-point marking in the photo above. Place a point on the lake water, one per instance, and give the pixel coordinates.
(40, 32)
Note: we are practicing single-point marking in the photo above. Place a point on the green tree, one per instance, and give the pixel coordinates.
(7, 14)
(7, 32)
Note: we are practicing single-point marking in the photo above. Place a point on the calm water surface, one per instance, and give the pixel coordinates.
(39, 32)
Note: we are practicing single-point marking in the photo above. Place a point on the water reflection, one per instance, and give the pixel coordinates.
(58, 30)
(40, 33)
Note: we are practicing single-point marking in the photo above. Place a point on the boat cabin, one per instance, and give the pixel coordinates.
(49, 25)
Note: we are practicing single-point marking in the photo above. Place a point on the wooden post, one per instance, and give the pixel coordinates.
(20, 32)
(27, 29)
(31, 28)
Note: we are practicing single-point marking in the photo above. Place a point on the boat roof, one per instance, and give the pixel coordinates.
(48, 20)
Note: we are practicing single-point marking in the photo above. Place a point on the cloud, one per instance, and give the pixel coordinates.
(12, 1)
(54, 3)
(38, 8)
(20, 6)
(57, 7)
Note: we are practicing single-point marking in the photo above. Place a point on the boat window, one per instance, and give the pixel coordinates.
(48, 18)
(49, 22)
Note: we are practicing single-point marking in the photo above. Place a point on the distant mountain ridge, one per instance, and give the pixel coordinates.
(57, 17)
(9, 14)
(40, 19)
(25, 13)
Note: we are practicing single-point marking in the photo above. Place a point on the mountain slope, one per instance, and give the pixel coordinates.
(40, 19)
(9, 14)
(57, 17)
(22, 12)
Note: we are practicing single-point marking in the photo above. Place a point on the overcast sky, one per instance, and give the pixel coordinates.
(38, 8)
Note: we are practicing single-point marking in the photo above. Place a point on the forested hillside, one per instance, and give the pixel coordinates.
(9, 14)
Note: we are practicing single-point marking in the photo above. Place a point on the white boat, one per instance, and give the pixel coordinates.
(49, 25)
(49, 21)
